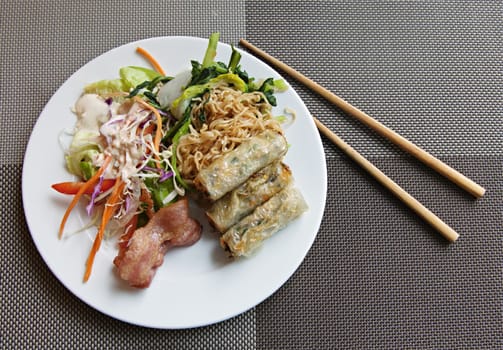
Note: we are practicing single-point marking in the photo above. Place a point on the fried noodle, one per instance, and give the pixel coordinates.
(221, 120)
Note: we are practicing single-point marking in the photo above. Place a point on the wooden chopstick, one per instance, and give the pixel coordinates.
(423, 212)
(434, 163)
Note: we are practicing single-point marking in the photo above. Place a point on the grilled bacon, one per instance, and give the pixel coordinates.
(139, 258)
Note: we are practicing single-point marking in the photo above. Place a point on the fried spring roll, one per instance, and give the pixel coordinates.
(241, 201)
(247, 235)
(235, 167)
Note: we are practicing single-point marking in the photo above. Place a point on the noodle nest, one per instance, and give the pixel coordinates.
(221, 120)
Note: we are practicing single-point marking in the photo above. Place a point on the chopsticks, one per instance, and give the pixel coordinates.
(434, 163)
(423, 212)
(423, 156)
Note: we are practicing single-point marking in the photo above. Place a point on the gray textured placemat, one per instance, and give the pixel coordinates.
(429, 69)
(376, 277)
(379, 278)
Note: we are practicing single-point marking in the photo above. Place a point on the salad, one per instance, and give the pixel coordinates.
(127, 156)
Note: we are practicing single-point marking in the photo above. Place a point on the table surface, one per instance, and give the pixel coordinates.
(376, 275)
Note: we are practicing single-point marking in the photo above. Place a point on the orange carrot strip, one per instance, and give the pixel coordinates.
(91, 182)
(151, 59)
(108, 212)
(158, 132)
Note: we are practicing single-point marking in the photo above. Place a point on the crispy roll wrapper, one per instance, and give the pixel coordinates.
(259, 188)
(247, 235)
(235, 167)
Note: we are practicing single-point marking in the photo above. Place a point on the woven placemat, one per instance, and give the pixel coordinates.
(376, 276)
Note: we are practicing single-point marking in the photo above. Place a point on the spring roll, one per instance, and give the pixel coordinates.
(241, 201)
(235, 167)
(247, 235)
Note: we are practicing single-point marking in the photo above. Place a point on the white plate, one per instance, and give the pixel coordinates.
(195, 286)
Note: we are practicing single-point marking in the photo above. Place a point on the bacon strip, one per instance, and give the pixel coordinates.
(144, 253)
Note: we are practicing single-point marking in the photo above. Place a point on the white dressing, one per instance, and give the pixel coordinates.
(91, 111)
(116, 134)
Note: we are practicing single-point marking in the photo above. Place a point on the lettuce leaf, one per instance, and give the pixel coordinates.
(103, 87)
(82, 152)
(130, 77)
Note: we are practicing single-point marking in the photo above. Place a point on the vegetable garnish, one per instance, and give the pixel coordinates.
(151, 59)
(94, 195)
(158, 132)
(184, 129)
(88, 185)
(110, 207)
(74, 187)
(211, 50)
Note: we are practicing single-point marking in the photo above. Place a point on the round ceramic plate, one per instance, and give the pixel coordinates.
(197, 285)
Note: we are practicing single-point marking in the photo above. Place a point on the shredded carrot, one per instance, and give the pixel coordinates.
(151, 59)
(91, 182)
(158, 132)
(110, 208)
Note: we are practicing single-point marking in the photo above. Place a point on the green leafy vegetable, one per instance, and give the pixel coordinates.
(201, 75)
(180, 104)
(80, 162)
(267, 88)
(168, 137)
(130, 77)
(280, 85)
(160, 191)
(183, 130)
(87, 169)
(104, 87)
(234, 60)
(81, 153)
(211, 50)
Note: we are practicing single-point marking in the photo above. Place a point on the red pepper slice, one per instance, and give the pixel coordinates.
(73, 187)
